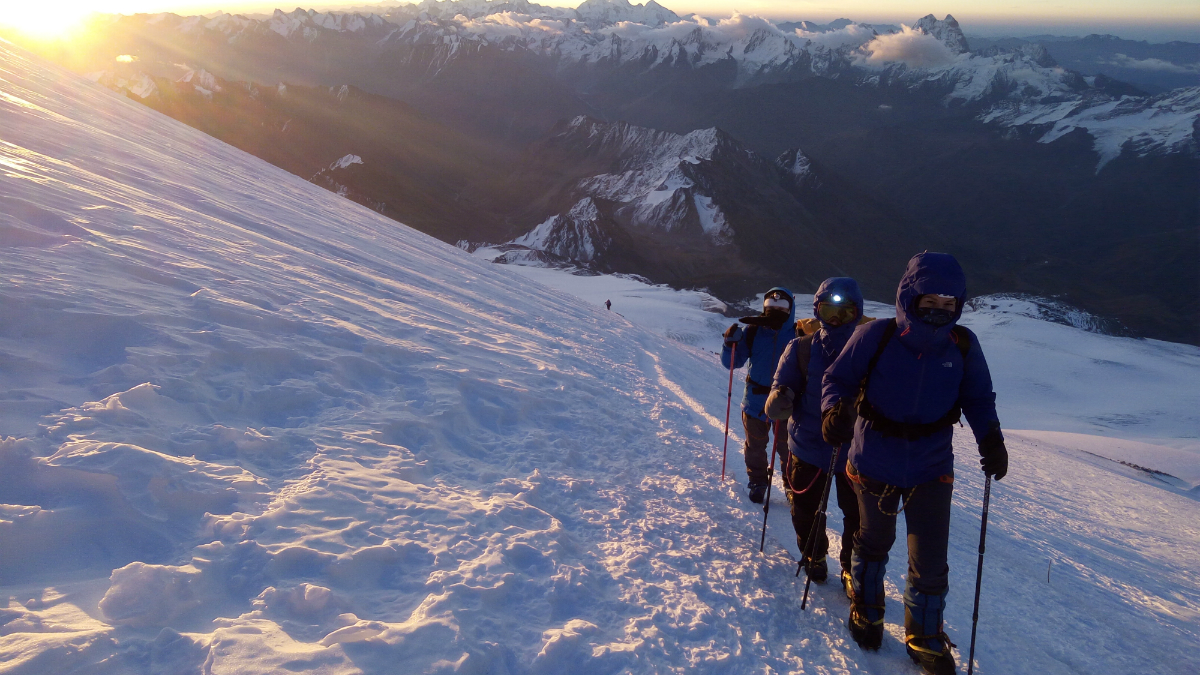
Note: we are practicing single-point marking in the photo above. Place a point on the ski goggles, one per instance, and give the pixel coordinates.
(837, 314)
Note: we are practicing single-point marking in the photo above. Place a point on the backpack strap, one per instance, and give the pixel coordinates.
(804, 354)
(961, 337)
(803, 349)
(888, 331)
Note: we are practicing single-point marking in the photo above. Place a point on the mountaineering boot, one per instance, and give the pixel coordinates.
(866, 630)
(848, 584)
(758, 492)
(924, 639)
(932, 653)
(817, 570)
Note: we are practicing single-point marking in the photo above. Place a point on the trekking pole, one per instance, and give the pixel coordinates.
(770, 479)
(728, 405)
(818, 521)
(987, 496)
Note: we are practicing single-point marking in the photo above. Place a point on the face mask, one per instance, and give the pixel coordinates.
(935, 317)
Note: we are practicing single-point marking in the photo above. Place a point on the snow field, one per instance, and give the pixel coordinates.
(252, 427)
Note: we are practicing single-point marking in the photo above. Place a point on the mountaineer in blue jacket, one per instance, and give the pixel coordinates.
(796, 396)
(761, 343)
(909, 380)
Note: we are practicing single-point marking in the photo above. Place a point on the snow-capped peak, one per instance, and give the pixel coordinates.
(606, 12)
(946, 31)
(795, 163)
(576, 235)
(346, 162)
(642, 145)
(308, 22)
(204, 82)
(200, 78)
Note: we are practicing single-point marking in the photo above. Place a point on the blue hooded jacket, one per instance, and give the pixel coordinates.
(919, 377)
(763, 354)
(804, 428)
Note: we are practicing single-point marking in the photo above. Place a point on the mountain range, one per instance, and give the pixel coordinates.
(1152, 67)
(632, 139)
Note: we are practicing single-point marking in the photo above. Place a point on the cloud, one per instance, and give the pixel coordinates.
(509, 24)
(737, 28)
(915, 48)
(853, 35)
(1159, 65)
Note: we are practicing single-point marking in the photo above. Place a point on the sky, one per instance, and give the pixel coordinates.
(1156, 20)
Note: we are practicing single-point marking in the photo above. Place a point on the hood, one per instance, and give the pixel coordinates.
(760, 320)
(791, 299)
(832, 338)
(927, 272)
(843, 286)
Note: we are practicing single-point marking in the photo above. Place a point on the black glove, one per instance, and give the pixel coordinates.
(779, 403)
(837, 424)
(733, 334)
(993, 456)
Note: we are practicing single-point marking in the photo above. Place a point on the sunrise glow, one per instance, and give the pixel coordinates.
(46, 19)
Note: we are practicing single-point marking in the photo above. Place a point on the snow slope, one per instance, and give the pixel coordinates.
(253, 427)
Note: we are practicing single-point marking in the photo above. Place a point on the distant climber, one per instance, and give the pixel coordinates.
(796, 396)
(608, 305)
(761, 344)
(909, 379)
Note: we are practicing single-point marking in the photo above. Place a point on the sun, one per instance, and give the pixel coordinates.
(49, 19)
